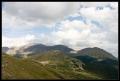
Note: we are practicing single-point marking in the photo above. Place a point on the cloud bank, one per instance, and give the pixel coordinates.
(41, 13)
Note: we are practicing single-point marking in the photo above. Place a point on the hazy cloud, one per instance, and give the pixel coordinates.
(42, 13)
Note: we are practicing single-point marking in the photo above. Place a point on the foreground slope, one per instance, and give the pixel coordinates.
(52, 65)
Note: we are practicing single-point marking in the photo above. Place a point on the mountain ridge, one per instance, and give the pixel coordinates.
(58, 62)
(36, 48)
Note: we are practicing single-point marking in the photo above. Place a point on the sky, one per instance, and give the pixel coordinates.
(77, 25)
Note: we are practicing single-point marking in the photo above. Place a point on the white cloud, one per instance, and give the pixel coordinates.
(41, 13)
(18, 41)
(97, 12)
(99, 4)
(15, 22)
(77, 34)
(92, 13)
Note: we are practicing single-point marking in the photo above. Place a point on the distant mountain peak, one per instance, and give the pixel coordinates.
(96, 52)
(37, 48)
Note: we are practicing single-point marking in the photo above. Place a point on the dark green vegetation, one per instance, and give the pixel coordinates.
(54, 64)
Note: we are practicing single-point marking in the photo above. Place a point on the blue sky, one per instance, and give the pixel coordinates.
(77, 24)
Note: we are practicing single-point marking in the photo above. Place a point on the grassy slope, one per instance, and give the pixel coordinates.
(14, 68)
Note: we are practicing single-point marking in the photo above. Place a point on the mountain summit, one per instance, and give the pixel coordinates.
(96, 53)
(36, 48)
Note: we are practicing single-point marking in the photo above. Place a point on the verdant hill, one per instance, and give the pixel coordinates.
(13, 68)
(58, 62)
(52, 65)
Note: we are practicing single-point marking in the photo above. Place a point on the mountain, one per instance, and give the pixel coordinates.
(36, 49)
(96, 52)
(43, 48)
(58, 62)
(62, 48)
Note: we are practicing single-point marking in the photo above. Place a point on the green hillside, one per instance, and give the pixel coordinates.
(52, 65)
